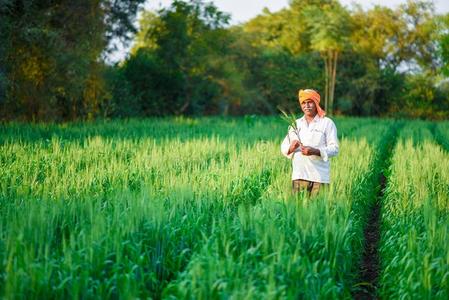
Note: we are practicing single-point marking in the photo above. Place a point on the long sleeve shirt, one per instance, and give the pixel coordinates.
(321, 134)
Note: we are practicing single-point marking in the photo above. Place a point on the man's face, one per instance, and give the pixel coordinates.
(309, 108)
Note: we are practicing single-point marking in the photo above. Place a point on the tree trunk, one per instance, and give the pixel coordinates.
(183, 108)
(326, 72)
(334, 76)
(186, 103)
(329, 76)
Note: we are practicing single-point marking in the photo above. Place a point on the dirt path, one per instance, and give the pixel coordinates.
(370, 265)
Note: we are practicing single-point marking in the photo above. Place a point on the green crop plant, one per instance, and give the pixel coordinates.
(414, 249)
(288, 247)
(182, 208)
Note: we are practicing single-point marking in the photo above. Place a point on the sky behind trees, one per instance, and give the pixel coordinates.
(242, 11)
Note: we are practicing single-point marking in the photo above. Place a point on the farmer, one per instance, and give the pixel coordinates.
(310, 145)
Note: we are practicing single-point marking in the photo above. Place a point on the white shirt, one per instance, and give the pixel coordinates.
(321, 133)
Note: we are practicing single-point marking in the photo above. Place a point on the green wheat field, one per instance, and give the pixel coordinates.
(186, 208)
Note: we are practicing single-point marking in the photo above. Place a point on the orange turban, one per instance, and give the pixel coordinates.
(313, 95)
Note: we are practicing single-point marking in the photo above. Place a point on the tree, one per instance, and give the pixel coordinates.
(329, 27)
(279, 30)
(189, 40)
(144, 38)
(443, 42)
(399, 38)
(419, 35)
(51, 54)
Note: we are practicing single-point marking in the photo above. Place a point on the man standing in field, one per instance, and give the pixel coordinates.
(310, 145)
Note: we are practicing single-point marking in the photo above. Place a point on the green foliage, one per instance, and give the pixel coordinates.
(279, 75)
(147, 21)
(329, 26)
(178, 67)
(151, 82)
(51, 62)
(281, 30)
(366, 90)
(444, 42)
(187, 60)
(122, 103)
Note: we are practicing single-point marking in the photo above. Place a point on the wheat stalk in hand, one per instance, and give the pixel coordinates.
(290, 118)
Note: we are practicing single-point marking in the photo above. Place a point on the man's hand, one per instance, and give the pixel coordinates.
(293, 146)
(310, 151)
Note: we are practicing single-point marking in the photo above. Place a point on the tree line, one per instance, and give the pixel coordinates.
(187, 60)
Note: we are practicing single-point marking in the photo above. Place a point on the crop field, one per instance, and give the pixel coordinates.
(181, 208)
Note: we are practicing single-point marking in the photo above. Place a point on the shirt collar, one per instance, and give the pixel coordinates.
(315, 119)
